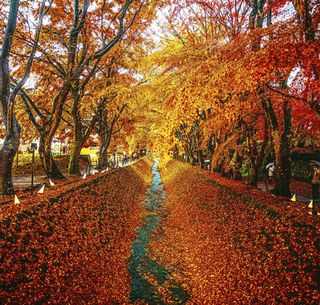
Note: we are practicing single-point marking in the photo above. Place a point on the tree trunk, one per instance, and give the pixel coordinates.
(201, 159)
(103, 156)
(49, 165)
(81, 132)
(213, 144)
(176, 152)
(105, 133)
(237, 166)
(7, 153)
(78, 138)
(189, 154)
(106, 129)
(217, 158)
(74, 162)
(81, 135)
(12, 137)
(282, 153)
(103, 152)
(257, 162)
(281, 146)
(282, 167)
(255, 176)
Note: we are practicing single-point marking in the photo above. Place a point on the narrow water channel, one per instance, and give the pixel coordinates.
(140, 265)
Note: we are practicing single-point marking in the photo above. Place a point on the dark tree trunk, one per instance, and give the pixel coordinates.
(49, 165)
(74, 162)
(254, 177)
(105, 133)
(282, 154)
(7, 154)
(256, 19)
(281, 146)
(201, 159)
(256, 163)
(80, 137)
(304, 16)
(282, 177)
(103, 152)
(190, 154)
(6, 162)
(176, 152)
(237, 167)
(106, 129)
(7, 99)
(212, 145)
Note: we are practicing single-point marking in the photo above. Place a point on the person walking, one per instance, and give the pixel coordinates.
(315, 187)
(270, 173)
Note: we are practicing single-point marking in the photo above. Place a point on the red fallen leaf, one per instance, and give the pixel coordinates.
(75, 249)
(224, 249)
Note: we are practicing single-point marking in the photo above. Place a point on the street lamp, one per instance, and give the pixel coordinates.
(33, 148)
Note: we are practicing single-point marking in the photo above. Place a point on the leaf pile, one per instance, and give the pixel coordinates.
(230, 247)
(73, 248)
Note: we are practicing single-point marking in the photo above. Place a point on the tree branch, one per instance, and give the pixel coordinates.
(286, 95)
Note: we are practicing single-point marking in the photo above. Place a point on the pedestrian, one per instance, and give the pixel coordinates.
(315, 187)
(270, 173)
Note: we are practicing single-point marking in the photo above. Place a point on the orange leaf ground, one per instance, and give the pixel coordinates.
(72, 246)
(214, 241)
(226, 244)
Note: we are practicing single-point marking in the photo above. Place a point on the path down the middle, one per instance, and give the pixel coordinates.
(152, 282)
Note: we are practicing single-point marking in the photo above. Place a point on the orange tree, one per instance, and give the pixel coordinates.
(9, 90)
(81, 34)
(121, 36)
(249, 84)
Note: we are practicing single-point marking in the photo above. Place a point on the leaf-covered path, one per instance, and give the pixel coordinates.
(71, 245)
(189, 238)
(224, 246)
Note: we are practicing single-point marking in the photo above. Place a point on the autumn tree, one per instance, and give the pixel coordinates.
(113, 25)
(279, 78)
(9, 93)
(73, 60)
(250, 81)
(59, 65)
(117, 105)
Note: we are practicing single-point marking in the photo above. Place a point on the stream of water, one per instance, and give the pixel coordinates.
(140, 264)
